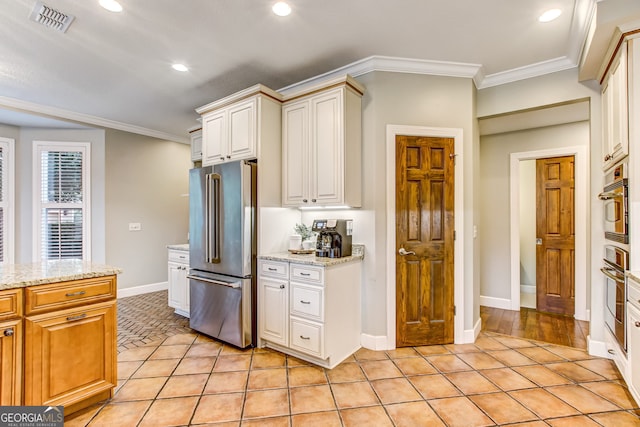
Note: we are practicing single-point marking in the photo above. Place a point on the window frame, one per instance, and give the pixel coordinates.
(85, 149)
(8, 201)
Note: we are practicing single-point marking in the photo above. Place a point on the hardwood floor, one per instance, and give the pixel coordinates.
(530, 324)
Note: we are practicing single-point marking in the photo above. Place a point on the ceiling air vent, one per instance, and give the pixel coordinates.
(51, 18)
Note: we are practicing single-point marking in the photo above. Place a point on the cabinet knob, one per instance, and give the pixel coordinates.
(637, 324)
(228, 156)
(281, 286)
(608, 157)
(221, 158)
(304, 200)
(313, 200)
(610, 351)
(8, 332)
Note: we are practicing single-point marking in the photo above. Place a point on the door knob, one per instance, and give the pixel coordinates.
(403, 251)
(538, 241)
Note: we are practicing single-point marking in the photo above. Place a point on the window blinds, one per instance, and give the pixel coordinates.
(61, 197)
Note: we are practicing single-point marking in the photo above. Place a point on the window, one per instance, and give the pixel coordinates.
(6, 200)
(62, 201)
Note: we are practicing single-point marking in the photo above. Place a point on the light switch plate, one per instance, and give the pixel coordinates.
(135, 226)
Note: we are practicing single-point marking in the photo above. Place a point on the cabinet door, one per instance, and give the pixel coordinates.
(175, 285)
(242, 130)
(214, 138)
(70, 354)
(295, 154)
(11, 363)
(184, 284)
(274, 310)
(633, 335)
(327, 148)
(196, 146)
(615, 116)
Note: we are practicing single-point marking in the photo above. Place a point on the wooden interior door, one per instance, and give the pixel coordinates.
(424, 240)
(555, 231)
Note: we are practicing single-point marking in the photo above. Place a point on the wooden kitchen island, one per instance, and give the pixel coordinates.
(58, 333)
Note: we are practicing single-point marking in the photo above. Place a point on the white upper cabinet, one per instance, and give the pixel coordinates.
(615, 116)
(231, 127)
(321, 146)
(196, 144)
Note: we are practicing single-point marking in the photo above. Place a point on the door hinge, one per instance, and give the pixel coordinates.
(454, 234)
(454, 310)
(453, 156)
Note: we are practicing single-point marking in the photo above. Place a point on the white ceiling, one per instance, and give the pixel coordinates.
(113, 70)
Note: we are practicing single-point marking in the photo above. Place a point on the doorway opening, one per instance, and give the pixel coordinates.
(519, 220)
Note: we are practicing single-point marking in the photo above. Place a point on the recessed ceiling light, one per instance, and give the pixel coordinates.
(179, 67)
(281, 8)
(111, 5)
(550, 15)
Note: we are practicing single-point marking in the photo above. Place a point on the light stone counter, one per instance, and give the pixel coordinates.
(23, 275)
(634, 275)
(181, 247)
(357, 254)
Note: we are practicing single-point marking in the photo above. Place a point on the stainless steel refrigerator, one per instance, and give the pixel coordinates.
(222, 251)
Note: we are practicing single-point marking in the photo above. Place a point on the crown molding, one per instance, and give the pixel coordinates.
(389, 64)
(84, 119)
(522, 73)
(436, 68)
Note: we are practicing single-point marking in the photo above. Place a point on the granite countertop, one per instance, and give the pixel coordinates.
(633, 275)
(40, 273)
(357, 254)
(180, 247)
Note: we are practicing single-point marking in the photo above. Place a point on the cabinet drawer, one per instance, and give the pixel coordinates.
(307, 301)
(633, 293)
(306, 273)
(181, 257)
(43, 298)
(307, 337)
(275, 269)
(10, 303)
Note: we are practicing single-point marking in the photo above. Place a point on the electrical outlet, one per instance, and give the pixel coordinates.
(135, 226)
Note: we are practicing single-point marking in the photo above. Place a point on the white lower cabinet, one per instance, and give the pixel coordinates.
(633, 338)
(309, 311)
(178, 268)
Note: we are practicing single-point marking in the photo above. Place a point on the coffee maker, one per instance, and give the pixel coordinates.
(334, 237)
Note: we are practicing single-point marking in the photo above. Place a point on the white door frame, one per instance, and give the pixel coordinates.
(458, 297)
(581, 209)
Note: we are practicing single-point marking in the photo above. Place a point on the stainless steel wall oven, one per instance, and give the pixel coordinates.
(616, 214)
(616, 261)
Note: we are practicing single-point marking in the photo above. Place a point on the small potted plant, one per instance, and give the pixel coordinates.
(306, 234)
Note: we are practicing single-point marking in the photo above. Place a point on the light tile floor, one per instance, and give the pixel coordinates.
(189, 379)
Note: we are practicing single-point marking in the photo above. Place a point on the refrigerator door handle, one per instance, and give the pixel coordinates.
(212, 232)
(234, 285)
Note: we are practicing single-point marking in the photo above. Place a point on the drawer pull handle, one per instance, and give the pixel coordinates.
(637, 324)
(309, 302)
(78, 317)
(305, 338)
(281, 286)
(305, 274)
(8, 332)
(610, 351)
(75, 294)
(272, 269)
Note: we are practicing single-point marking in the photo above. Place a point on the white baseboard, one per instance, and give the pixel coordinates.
(470, 335)
(142, 289)
(502, 303)
(597, 348)
(374, 342)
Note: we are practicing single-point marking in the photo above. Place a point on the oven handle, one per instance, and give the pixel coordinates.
(608, 195)
(607, 272)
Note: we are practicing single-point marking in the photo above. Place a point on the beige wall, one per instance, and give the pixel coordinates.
(147, 181)
(495, 205)
(413, 100)
(528, 222)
